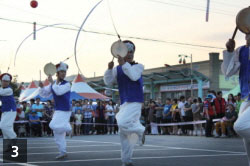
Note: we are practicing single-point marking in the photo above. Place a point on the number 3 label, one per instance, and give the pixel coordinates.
(15, 151)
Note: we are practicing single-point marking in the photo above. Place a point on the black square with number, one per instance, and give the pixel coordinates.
(15, 150)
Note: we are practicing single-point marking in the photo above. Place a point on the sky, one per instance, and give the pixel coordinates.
(181, 21)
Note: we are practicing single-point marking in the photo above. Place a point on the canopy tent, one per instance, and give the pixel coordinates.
(79, 90)
(28, 91)
(80, 87)
(35, 94)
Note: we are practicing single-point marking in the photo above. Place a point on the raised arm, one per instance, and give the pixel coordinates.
(110, 76)
(134, 72)
(231, 64)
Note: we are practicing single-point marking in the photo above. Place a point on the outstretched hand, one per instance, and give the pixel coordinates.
(111, 65)
(230, 45)
(40, 84)
(50, 79)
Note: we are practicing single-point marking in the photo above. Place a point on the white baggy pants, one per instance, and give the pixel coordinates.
(6, 124)
(60, 125)
(242, 126)
(128, 120)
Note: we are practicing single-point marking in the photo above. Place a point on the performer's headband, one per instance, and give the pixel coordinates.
(130, 47)
(6, 77)
(61, 67)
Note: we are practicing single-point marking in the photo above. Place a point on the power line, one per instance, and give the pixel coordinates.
(111, 34)
(225, 4)
(231, 4)
(198, 9)
(213, 2)
(214, 7)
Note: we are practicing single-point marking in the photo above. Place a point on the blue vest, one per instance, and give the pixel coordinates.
(244, 72)
(8, 103)
(130, 91)
(62, 103)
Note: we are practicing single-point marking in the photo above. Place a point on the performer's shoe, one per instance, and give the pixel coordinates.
(61, 156)
(128, 164)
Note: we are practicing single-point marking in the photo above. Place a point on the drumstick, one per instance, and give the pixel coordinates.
(235, 31)
(113, 59)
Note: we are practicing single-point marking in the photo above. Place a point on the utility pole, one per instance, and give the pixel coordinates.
(183, 60)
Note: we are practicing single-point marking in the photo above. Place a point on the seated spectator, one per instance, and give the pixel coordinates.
(38, 107)
(21, 115)
(226, 122)
(35, 124)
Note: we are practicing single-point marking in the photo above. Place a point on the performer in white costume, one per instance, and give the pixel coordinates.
(234, 61)
(60, 89)
(8, 109)
(128, 75)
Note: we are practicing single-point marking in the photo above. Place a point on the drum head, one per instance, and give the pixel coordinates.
(243, 20)
(119, 48)
(49, 69)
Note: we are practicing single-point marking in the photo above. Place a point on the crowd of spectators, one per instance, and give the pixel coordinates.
(218, 113)
(159, 118)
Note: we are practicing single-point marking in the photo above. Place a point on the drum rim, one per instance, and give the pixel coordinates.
(113, 45)
(240, 24)
(49, 72)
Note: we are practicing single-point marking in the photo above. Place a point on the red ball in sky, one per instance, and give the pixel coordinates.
(33, 3)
